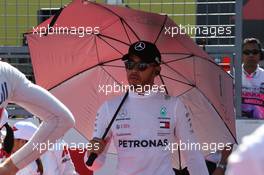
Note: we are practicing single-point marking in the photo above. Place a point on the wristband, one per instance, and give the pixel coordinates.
(222, 166)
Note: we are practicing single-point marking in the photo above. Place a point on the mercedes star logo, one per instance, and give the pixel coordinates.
(140, 46)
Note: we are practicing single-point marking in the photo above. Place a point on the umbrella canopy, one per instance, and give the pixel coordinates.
(73, 65)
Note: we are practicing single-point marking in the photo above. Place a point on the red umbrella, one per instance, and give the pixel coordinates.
(72, 65)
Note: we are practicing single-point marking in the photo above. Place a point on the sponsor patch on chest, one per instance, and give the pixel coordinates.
(165, 124)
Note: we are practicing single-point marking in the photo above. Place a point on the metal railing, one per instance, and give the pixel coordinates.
(19, 16)
(19, 57)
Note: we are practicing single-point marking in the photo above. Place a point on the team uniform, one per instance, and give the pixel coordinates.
(58, 161)
(249, 157)
(30, 169)
(144, 127)
(57, 119)
(253, 94)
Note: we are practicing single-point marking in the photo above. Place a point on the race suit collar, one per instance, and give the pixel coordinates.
(253, 74)
(145, 95)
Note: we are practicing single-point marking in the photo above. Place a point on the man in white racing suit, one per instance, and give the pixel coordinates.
(57, 119)
(147, 123)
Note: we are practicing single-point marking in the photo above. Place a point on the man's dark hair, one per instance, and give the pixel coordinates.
(254, 41)
(8, 142)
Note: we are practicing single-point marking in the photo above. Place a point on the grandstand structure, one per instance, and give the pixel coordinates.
(20, 16)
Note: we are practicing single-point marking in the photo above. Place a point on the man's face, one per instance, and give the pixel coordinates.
(136, 77)
(251, 54)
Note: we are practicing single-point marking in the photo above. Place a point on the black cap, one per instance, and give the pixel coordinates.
(146, 51)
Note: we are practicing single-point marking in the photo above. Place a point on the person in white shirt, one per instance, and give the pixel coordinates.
(147, 122)
(22, 132)
(56, 161)
(252, 80)
(249, 156)
(57, 119)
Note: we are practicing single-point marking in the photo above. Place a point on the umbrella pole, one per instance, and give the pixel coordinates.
(179, 152)
(93, 156)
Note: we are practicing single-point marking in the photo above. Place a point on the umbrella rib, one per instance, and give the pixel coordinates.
(210, 61)
(186, 91)
(177, 59)
(110, 45)
(117, 16)
(109, 61)
(159, 76)
(122, 22)
(110, 75)
(176, 72)
(131, 29)
(71, 77)
(109, 37)
(100, 64)
(55, 17)
(213, 62)
(201, 57)
(217, 113)
(204, 58)
(192, 85)
(166, 17)
(214, 109)
(167, 92)
(113, 66)
(97, 4)
(97, 52)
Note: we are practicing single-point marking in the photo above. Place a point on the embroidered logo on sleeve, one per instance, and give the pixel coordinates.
(187, 115)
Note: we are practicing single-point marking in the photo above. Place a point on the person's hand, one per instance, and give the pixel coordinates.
(98, 146)
(8, 167)
(219, 171)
